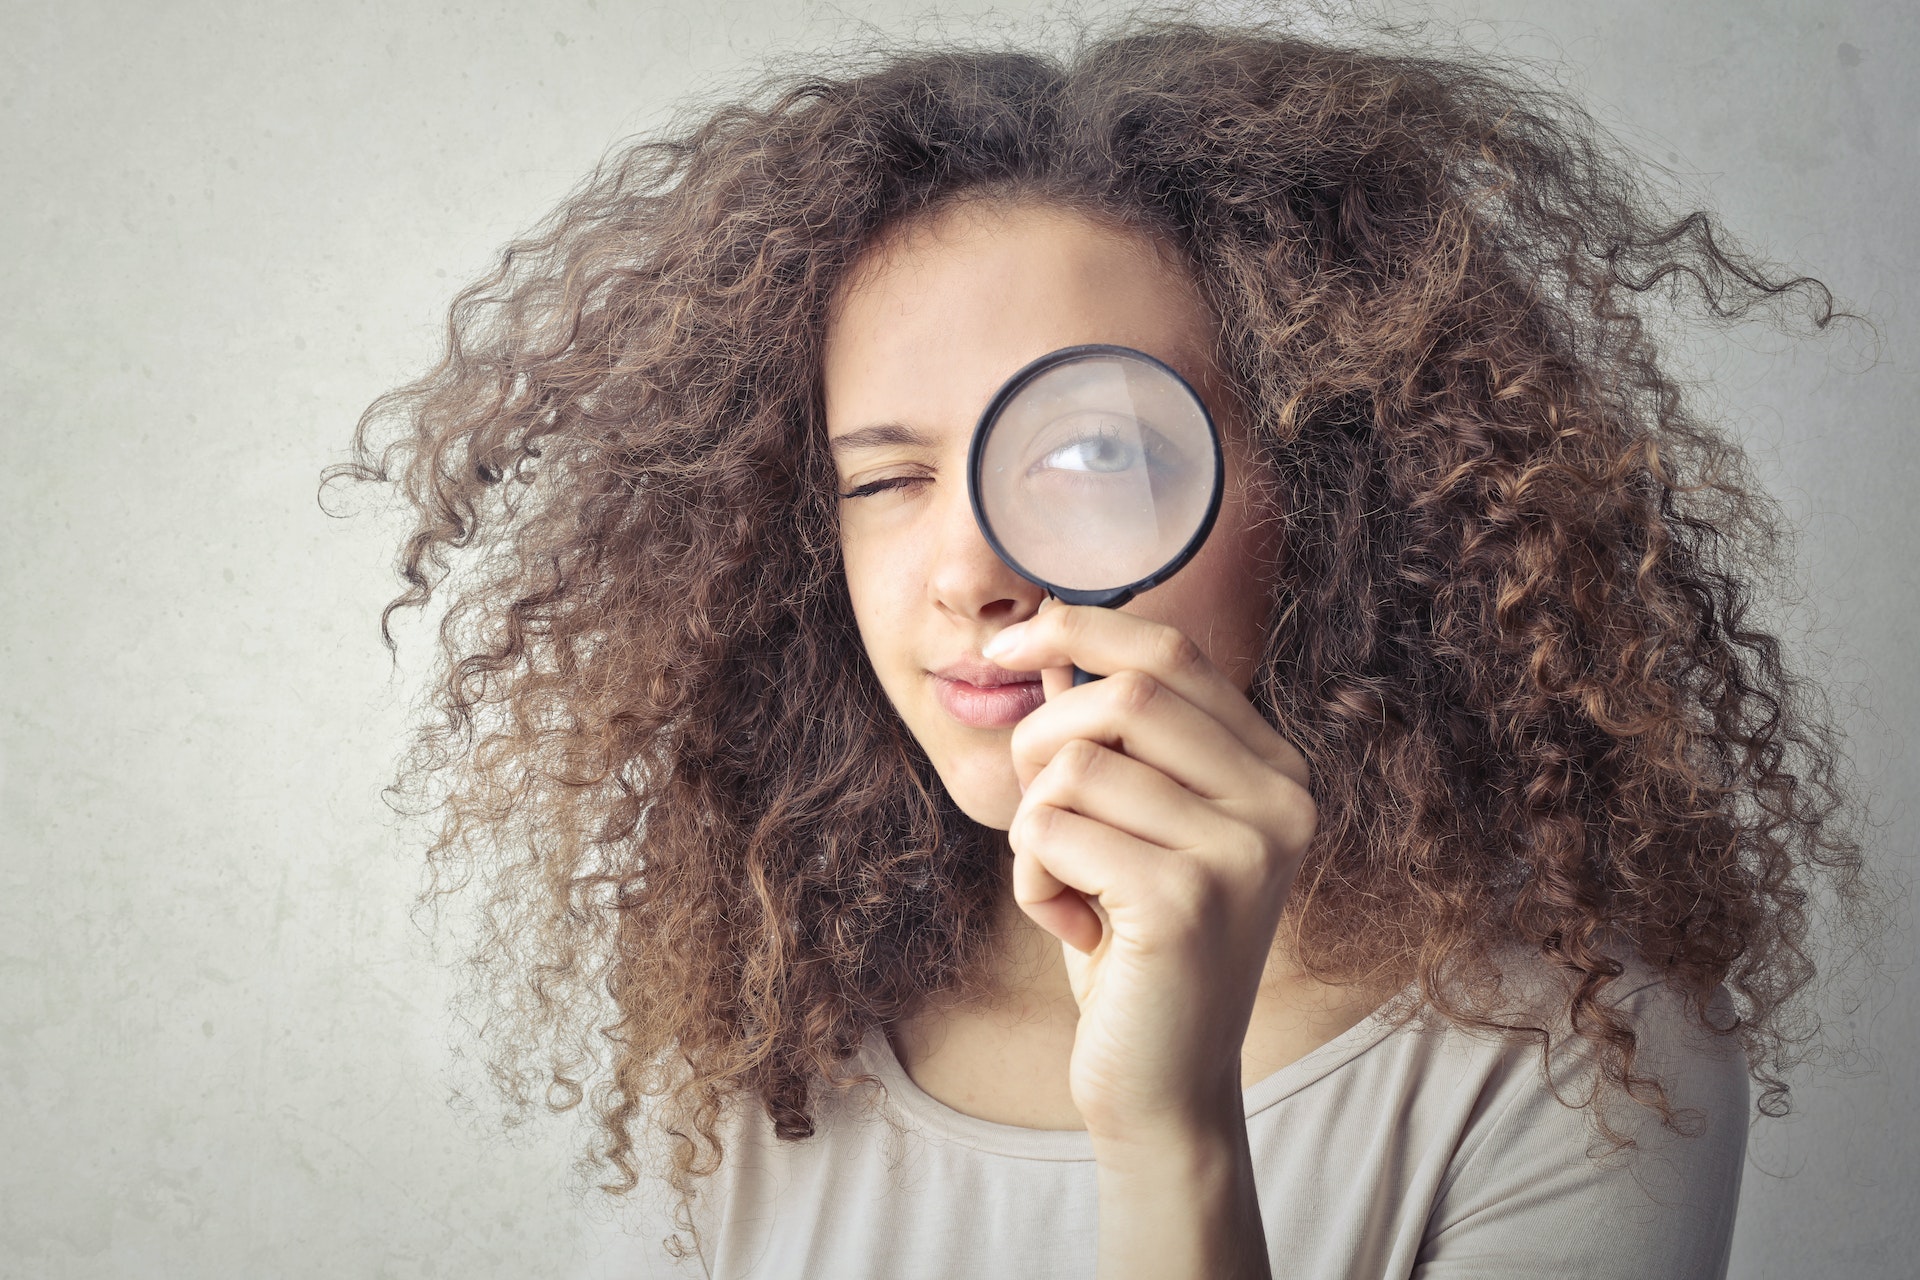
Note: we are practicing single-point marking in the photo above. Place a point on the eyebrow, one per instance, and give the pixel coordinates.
(874, 437)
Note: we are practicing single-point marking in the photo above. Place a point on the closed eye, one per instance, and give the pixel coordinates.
(872, 487)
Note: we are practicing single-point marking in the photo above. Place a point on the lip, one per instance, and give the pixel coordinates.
(983, 696)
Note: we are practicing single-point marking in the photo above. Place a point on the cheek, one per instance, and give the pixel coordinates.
(880, 584)
(1220, 597)
(864, 587)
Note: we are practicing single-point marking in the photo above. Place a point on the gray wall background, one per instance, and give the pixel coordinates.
(225, 1051)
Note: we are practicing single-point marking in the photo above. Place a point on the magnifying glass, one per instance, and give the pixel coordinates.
(1095, 473)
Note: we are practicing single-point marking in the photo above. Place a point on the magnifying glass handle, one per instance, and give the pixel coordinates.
(1083, 677)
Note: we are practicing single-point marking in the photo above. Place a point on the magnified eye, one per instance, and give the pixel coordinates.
(1102, 453)
(1092, 445)
(1094, 470)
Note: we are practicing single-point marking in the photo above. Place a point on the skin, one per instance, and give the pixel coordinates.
(1156, 820)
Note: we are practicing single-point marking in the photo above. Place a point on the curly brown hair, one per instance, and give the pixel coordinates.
(1515, 632)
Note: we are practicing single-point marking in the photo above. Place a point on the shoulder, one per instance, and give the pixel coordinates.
(1673, 1041)
(1703, 1071)
(1537, 1177)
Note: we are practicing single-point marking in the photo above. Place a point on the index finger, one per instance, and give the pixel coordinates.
(1104, 641)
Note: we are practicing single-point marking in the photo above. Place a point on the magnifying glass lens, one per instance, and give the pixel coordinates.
(1097, 472)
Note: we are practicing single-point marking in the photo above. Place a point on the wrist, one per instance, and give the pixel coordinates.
(1180, 1203)
(1201, 1151)
(1202, 1120)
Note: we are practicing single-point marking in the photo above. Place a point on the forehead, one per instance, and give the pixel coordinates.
(938, 314)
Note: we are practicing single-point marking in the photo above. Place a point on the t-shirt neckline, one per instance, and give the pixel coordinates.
(936, 1119)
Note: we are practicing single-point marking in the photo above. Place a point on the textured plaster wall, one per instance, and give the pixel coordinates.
(224, 1050)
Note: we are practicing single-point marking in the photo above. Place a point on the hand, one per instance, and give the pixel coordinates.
(1161, 824)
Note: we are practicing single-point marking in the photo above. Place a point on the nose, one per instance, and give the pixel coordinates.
(967, 579)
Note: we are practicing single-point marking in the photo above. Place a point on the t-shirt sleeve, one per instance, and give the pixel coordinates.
(1527, 1199)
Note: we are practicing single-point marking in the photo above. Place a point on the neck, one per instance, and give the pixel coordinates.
(998, 1045)
(1029, 969)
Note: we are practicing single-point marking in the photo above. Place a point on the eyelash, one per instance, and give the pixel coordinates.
(880, 486)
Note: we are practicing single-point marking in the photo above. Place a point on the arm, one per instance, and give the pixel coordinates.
(1160, 826)
(1182, 1207)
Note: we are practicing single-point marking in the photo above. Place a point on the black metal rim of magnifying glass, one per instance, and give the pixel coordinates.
(1106, 597)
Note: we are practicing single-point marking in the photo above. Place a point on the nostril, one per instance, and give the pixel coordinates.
(999, 608)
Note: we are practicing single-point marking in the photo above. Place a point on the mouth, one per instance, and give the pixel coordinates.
(983, 696)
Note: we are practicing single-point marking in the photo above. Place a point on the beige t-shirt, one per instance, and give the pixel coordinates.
(1419, 1151)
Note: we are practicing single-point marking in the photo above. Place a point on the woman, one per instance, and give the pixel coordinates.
(1424, 883)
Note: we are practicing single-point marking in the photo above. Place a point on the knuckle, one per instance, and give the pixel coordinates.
(1078, 761)
(1134, 690)
(1030, 828)
(1299, 817)
(1306, 819)
(1246, 851)
(1018, 832)
(1174, 652)
(1250, 846)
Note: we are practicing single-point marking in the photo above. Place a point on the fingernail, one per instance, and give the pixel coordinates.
(1004, 642)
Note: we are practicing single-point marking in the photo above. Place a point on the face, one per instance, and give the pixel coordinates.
(936, 317)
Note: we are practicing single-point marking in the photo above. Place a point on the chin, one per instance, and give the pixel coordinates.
(997, 816)
(987, 795)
